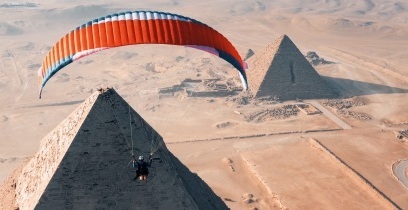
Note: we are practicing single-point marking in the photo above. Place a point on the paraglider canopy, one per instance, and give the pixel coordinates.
(137, 27)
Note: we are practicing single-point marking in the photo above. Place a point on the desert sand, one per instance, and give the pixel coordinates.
(248, 157)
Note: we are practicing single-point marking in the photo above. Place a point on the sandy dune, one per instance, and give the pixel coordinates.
(209, 130)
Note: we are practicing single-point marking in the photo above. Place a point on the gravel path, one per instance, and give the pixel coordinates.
(399, 171)
(331, 116)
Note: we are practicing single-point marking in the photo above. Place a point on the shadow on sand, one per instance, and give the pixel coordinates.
(349, 88)
(212, 94)
(55, 104)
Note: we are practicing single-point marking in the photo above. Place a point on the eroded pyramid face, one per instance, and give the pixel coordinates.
(84, 163)
(280, 70)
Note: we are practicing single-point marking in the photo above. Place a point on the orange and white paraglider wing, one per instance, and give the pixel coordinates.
(138, 27)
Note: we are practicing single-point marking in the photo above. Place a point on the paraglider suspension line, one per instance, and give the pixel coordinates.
(131, 131)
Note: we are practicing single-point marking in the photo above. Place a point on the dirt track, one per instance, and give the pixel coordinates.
(400, 171)
(331, 116)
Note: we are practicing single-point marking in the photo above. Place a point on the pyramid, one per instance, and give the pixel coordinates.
(84, 164)
(281, 70)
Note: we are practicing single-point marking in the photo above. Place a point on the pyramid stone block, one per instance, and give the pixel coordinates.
(84, 164)
(281, 70)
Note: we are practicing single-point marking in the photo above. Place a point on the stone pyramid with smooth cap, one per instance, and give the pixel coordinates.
(84, 164)
(280, 70)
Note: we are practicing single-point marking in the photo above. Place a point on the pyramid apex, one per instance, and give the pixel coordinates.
(284, 36)
(284, 39)
(276, 45)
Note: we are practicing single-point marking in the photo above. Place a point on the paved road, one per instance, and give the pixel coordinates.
(330, 115)
(399, 171)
